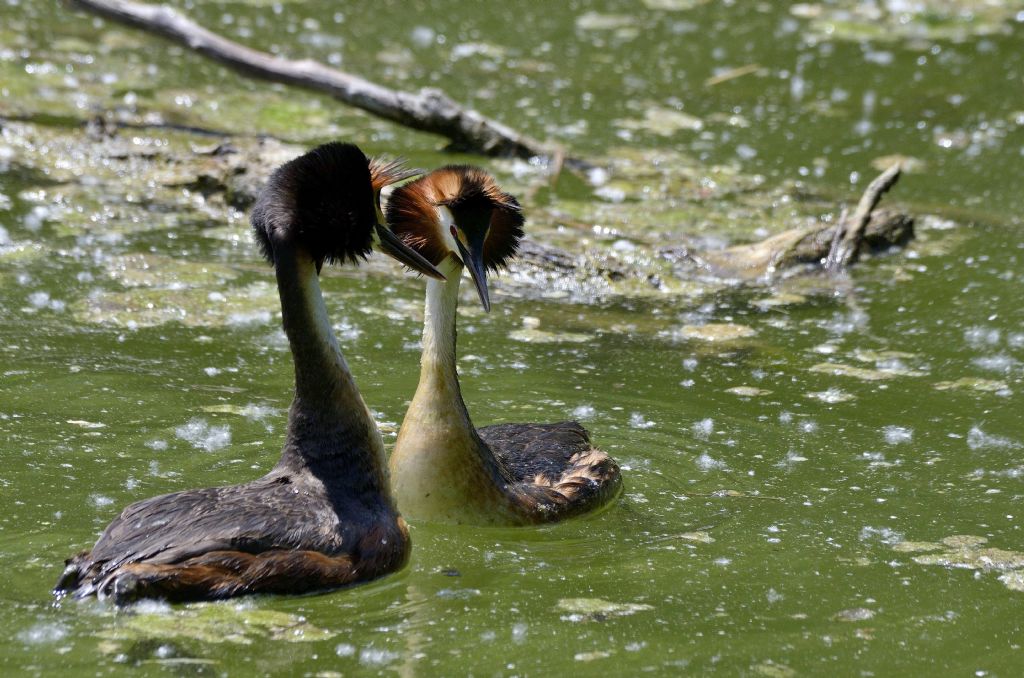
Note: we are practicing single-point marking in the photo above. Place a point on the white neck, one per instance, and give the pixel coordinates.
(439, 322)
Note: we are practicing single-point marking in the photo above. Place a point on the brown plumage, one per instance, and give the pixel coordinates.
(442, 467)
(323, 517)
(459, 188)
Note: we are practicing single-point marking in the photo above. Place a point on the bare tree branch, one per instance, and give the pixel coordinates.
(429, 110)
(846, 248)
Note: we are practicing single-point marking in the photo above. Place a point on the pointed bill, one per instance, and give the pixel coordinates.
(392, 245)
(473, 258)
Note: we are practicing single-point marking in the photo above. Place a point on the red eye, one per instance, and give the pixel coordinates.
(454, 234)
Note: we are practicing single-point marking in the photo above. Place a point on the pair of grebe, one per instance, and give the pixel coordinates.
(325, 516)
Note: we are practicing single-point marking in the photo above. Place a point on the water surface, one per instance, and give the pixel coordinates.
(837, 490)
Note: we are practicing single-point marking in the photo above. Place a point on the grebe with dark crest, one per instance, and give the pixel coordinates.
(324, 516)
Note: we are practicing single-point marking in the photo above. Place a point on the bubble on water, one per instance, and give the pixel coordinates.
(584, 412)
(808, 426)
(165, 652)
(458, 594)
(151, 606)
(978, 336)
(422, 36)
(635, 646)
(203, 436)
(211, 371)
(373, 656)
(773, 596)
(45, 632)
(346, 330)
(894, 435)
(690, 364)
(250, 318)
(157, 444)
(723, 561)
(36, 217)
(978, 440)
(131, 483)
(345, 649)
(5, 237)
(636, 420)
(1016, 340)
(99, 500)
(785, 417)
(831, 396)
(995, 363)
(791, 459)
(258, 413)
(39, 299)
(519, 632)
(703, 428)
(885, 535)
(705, 462)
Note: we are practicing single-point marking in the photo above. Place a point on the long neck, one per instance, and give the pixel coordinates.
(437, 364)
(328, 423)
(440, 468)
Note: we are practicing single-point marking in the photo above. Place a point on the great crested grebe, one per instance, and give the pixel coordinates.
(324, 516)
(442, 467)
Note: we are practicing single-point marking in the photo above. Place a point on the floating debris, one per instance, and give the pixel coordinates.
(717, 332)
(673, 5)
(854, 614)
(864, 373)
(596, 609)
(534, 336)
(972, 383)
(748, 391)
(595, 21)
(208, 623)
(780, 299)
(86, 424)
(832, 395)
(663, 122)
(700, 537)
(966, 551)
(858, 21)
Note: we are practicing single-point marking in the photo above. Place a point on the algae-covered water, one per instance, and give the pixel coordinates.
(820, 476)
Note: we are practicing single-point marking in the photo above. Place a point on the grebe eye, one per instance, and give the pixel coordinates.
(454, 232)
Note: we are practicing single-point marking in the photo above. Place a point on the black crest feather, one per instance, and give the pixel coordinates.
(322, 201)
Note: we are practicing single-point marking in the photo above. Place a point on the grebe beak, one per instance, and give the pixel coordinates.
(473, 257)
(391, 245)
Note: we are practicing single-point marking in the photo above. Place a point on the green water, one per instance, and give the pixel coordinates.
(774, 533)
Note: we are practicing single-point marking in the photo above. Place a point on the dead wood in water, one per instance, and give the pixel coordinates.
(429, 110)
(846, 246)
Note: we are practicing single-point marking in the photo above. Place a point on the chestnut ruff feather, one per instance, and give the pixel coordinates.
(324, 202)
(464, 190)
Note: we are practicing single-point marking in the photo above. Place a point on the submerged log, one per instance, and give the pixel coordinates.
(883, 230)
(429, 110)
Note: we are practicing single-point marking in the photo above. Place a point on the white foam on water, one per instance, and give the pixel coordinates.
(896, 435)
(45, 632)
(703, 428)
(979, 440)
(203, 436)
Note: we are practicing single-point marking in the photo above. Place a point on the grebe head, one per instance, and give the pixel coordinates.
(460, 212)
(327, 203)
